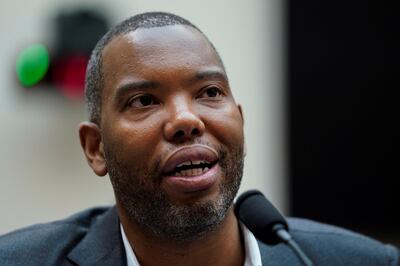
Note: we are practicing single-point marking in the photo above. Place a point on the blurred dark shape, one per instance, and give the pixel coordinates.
(77, 33)
(343, 111)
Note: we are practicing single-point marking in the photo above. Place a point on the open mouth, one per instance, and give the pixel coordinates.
(191, 168)
(189, 161)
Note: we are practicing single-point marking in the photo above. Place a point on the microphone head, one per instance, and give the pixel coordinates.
(259, 215)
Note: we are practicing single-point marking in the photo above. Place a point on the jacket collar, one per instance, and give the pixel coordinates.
(102, 245)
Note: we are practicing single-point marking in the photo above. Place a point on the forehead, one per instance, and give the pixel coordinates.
(149, 52)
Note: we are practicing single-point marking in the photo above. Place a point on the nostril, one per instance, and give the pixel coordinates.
(179, 134)
(195, 132)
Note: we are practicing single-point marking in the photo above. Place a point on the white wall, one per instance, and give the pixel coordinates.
(44, 175)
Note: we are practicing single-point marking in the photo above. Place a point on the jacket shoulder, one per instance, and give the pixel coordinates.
(331, 245)
(47, 243)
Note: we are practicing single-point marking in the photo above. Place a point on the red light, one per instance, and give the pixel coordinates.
(69, 75)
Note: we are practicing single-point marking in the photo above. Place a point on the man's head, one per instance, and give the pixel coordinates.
(168, 130)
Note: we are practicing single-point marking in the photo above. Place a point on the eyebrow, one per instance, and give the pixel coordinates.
(148, 84)
(209, 74)
(133, 86)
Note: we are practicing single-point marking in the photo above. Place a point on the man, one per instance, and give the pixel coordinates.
(165, 126)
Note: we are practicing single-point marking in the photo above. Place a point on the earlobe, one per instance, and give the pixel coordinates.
(90, 138)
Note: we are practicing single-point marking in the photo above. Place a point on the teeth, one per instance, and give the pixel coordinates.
(191, 163)
(191, 172)
(184, 163)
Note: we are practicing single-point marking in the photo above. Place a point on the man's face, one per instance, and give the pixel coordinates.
(172, 133)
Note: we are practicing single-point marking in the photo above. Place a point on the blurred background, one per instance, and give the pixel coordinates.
(315, 81)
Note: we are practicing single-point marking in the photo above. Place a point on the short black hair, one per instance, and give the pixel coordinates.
(94, 82)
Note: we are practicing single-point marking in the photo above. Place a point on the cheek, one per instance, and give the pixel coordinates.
(226, 125)
(135, 142)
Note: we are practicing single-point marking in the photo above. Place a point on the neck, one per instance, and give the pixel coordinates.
(222, 246)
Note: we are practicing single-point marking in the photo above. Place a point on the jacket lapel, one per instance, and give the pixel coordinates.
(277, 255)
(102, 244)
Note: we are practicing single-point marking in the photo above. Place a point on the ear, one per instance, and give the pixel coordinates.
(90, 137)
(242, 116)
(241, 112)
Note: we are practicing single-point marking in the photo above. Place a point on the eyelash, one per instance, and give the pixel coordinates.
(215, 88)
(141, 96)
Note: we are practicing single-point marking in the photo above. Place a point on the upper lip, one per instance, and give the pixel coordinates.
(188, 153)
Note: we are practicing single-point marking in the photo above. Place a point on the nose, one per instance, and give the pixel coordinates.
(184, 124)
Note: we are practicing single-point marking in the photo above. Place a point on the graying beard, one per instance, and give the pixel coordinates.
(154, 212)
(180, 223)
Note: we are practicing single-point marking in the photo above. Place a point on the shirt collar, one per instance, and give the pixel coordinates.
(253, 256)
(130, 255)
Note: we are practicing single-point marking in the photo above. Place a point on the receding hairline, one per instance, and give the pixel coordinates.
(128, 36)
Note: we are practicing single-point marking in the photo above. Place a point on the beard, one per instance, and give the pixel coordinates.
(138, 191)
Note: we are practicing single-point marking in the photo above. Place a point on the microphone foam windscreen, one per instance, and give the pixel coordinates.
(259, 216)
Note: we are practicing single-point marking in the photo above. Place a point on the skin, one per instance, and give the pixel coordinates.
(180, 109)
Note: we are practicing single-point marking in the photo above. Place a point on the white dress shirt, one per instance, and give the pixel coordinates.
(253, 256)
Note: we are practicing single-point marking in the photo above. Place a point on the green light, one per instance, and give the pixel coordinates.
(32, 64)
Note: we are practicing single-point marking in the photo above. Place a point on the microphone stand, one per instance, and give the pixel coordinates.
(286, 238)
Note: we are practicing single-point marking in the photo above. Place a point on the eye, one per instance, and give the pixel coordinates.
(142, 100)
(211, 92)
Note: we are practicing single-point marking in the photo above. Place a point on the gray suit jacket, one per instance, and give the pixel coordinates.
(92, 237)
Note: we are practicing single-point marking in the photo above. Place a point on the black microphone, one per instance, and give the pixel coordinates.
(266, 222)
